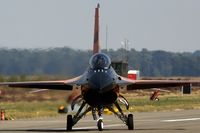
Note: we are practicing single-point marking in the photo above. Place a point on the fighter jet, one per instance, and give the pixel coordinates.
(100, 87)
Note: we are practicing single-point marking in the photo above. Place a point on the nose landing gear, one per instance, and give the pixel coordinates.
(100, 124)
(100, 120)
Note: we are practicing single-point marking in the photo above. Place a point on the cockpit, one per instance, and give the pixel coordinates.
(100, 61)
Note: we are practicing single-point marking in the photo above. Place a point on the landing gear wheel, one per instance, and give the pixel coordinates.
(69, 122)
(130, 122)
(100, 125)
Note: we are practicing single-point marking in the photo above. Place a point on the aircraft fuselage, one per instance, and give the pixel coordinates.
(101, 79)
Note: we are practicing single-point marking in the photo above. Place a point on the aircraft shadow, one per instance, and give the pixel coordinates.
(78, 130)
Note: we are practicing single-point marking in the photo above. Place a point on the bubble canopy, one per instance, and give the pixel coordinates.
(100, 61)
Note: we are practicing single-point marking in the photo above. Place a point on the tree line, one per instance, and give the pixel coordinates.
(70, 62)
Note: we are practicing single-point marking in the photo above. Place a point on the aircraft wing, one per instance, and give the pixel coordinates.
(147, 84)
(55, 85)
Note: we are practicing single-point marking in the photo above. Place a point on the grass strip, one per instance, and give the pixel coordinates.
(35, 109)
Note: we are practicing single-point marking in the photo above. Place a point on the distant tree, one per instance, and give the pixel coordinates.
(69, 62)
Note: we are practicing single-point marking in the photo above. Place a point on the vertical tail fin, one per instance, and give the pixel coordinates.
(96, 46)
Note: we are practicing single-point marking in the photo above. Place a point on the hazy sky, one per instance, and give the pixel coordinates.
(172, 25)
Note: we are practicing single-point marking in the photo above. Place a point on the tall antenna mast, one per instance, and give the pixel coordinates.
(125, 49)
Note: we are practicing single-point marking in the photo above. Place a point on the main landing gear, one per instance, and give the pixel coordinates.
(126, 119)
(71, 121)
(130, 122)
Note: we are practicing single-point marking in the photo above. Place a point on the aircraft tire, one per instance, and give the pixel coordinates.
(69, 122)
(100, 125)
(130, 122)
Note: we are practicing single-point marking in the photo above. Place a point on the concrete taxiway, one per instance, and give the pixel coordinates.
(187, 121)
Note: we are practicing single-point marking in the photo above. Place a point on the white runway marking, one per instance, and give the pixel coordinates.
(95, 127)
(179, 120)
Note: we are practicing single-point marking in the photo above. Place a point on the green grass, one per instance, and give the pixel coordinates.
(143, 104)
(31, 109)
(24, 109)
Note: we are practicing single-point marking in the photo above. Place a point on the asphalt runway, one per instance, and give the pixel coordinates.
(160, 122)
